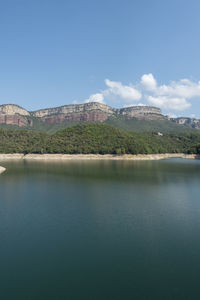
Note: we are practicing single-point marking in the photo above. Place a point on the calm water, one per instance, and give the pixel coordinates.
(100, 230)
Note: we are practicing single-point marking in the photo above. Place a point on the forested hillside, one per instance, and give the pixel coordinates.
(97, 138)
(136, 125)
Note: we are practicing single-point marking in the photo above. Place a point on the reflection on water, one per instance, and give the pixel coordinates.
(147, 171)
(100, 230)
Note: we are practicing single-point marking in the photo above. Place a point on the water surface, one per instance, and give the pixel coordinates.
(100, 230)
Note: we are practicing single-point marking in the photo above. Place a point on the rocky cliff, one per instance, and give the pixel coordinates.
(142, 112)
(12, 109)
(93, 111)
(12, 114)
(88, 112)
(191, 122)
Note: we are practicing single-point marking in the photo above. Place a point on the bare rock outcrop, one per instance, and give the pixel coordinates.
(16, 120)
(11, 114)
(13, 109)
(87, 112)
(191, 122)
(142, 112)
(94, 111)
(74, 108)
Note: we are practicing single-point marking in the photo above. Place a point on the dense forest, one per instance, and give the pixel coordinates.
(97, 139)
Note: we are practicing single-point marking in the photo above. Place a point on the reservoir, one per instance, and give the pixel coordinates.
(100, 230)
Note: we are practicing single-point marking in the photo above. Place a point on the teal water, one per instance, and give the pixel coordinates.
(100, 230)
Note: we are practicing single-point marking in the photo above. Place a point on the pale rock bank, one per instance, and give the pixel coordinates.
(65, 157)
(2, 169)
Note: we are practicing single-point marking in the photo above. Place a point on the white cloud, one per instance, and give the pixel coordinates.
(148, 82)
(125, 92)
(173, 96)
(184, 88)
(166, 102)
(117, 92)
(96, 98)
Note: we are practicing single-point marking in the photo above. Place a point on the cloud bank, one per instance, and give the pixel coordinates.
(125, 92)
(116, 91)
(95, 98)
(174, 96)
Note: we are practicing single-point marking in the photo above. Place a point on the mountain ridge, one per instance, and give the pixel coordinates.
(12, 114)
(72, 114)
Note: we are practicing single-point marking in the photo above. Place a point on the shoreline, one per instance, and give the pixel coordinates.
(65, 157)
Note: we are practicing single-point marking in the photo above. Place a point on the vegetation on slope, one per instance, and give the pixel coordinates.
(41, 126)
(96, 138)
(50, 128)
(135, 125)
(22, 141)
(121, 122)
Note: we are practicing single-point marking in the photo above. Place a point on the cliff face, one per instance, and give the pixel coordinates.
(11, 114)
(12, 109)
(191, 122)
(88, 112)
(15, 120)
(95, 112)
(142, 112)
(75, 108)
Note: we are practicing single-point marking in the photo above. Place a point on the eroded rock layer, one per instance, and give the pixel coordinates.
(12, 109)
(191, 122)
(88, 112)
(142, 112)
(75, 108)
(92, 116)
(11, 114)
(16, 120)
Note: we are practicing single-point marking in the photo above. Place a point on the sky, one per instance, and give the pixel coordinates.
(121, 53)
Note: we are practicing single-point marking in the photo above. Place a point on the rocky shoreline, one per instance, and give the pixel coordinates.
(64, 157)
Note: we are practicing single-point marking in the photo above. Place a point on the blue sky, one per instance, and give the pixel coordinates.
(56, 52)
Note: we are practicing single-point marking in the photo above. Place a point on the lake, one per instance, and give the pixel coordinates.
(100, 230)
